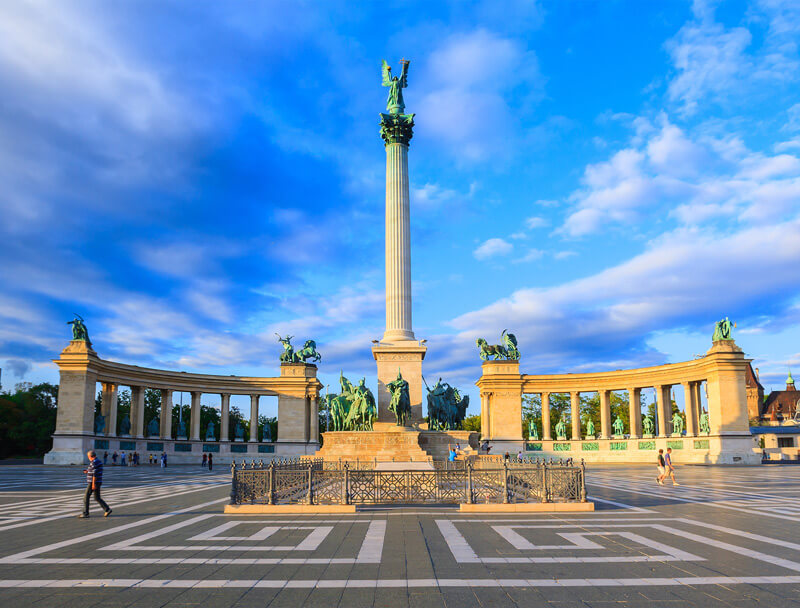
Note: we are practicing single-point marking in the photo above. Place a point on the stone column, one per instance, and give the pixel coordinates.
(605, 414)
(194, 432)
(396, 131)
(575, 411)
(484, 415)
(661, 405)
(166, 413)
(635, 411)
(313, 417)
(108, 406)
(698, 399)
(689, 408)
(224, 413)
(546, 435)
(254, 417)
(137, 411)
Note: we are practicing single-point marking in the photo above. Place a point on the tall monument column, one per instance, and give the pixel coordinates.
(398, 350)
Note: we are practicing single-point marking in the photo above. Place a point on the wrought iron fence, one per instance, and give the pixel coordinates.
(311, 481)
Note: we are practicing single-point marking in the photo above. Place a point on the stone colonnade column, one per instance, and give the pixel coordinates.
(635, 411)
(546, 435)
(254, 417)
(575, 411)
(698, 399)
(224, 414)
(137, 411)
(605, 414)
(396, 132)
(108, 407)
(661, 409)
(313, 420)
(689, 408)
(166, 413)
(195, 416)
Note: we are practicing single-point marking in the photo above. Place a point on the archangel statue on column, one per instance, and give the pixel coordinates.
(396, 84)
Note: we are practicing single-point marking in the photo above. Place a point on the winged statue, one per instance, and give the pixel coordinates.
(396, 84)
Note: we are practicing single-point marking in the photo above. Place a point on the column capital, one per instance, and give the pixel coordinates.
(397, 128)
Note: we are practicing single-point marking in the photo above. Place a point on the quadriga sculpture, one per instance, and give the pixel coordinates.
(507, 350)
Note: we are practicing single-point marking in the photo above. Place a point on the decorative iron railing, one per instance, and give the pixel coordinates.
(312, 481)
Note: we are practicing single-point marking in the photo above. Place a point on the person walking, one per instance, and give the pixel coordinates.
(205, 460)
(670, 469)
(114, 459)
(210, 461)
(94, 479)
(105, 458)
(163, 460)
(662, 468)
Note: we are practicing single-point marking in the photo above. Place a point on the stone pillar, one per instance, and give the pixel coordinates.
(698, 399)
(166, 413)
(313, 418)
(575, 412)
(502, 382)
(689, 408)
(635, 411)
(661, 405)
(224, 413)
(605, 414)
(254, 417)
(546, 435)
(396, 132)
(727, 391)
(137, 411)
(108, 407)
(194, 432)
(485, 432)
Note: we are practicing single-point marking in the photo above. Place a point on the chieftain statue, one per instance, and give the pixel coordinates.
(647, 425)
(79, 331)
(290, 355)
(238, 431)
(446, 407)
(210, 434)
(705, 426)
(152, 427)
(590, 430)
(723, 330)
(99, 424)
(125, 426)
(533, 430)
(353, 409)
(507, 350)
(400, 405)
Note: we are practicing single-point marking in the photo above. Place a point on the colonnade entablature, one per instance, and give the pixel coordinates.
(720, 374)
(297, 389)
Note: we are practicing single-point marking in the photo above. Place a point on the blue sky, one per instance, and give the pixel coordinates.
(604, 179)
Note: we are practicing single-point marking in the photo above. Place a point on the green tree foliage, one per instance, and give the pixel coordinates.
(472, 423)
(590, 408)
(263, 422)
(532, 409)
(27, 420)
(207, 414)
(235, 416)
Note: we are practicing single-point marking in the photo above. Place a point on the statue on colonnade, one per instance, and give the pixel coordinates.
(619, 426)
(290, 355)
(561, 428)
(590, 430)
(723, 330)
(79, 331)
(533, 430)
(677, 424)
(508, 350)
(647, 425)
(705, 426)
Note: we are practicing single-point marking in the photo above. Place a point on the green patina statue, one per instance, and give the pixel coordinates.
(508, 350)
(647, 425)
(619, 426)
(590, 430)
(446, 406)
(396, 84)
(533, 430)
(211, 434)
(723, 330)
(396, 127)
(152, 427)
(400, 404)
(79, 331)
(290, 355)
(99, 424)
(561, 429)
(677, 424)
(353, 409)
(705, 426)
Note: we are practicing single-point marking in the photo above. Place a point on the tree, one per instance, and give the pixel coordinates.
(27, 420)
(263, 422)
(590, 408)
(472, 423)
(532, 410)
(235, 416)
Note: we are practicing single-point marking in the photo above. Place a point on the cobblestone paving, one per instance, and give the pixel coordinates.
(725, 537)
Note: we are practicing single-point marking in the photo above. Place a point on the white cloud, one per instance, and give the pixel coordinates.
(563, 255)
(536, 222)
(493, 248)
(531, 256)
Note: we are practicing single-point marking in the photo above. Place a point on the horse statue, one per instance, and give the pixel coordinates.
(309, 351)
(288, 355)
(363, 411)
(400, 404)
(446, 407)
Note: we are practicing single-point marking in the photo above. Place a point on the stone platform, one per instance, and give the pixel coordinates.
(394, 443)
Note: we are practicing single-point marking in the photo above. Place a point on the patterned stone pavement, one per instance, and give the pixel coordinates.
(725, 537)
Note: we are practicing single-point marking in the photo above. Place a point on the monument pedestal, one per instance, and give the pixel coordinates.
(394, 444)
(406, 357)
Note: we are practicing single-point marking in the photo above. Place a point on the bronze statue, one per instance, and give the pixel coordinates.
(396, 84)
(723, 330)
(288, 355)
(354, 408)
(446, 407)
(309, 351)
(400, 404)
(79, 331)
(507, 350)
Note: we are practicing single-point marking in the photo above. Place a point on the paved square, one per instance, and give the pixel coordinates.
(725, 537)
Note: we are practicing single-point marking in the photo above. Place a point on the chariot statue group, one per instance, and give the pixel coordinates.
(507, 349)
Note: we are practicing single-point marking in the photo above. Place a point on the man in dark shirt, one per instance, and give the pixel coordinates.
(94, 479)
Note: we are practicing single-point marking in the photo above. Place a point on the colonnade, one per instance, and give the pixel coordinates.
(138, 428)
(692, 391)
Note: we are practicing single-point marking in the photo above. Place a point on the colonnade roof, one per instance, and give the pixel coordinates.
(297, 380)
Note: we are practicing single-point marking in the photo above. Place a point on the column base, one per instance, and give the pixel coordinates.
(405, 357)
